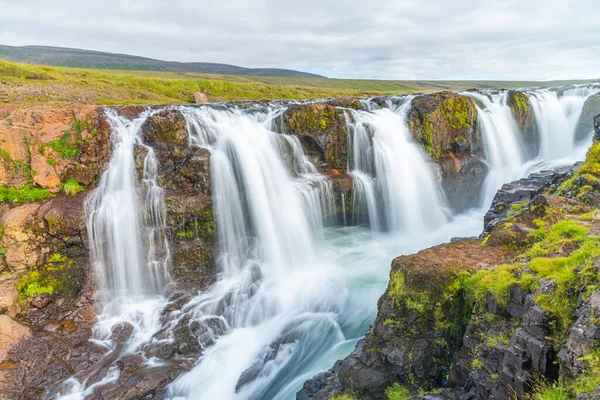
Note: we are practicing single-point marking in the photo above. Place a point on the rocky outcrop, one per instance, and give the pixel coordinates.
(321, 129)
(585, 125)
(505, 316)
(46, 145)
(514, 195)
(421, 320)
(445, 124)
(524, 116)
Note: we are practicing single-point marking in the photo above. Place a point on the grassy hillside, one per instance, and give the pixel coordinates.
(38, 83)
(78, 58)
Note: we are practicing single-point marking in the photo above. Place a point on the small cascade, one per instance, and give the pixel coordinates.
(501, 140)
(391, 173)
(270, 203)
(126, 221)
(557, 114)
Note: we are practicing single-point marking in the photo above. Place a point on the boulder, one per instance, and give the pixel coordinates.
(321, 129)
(420, 322)
(524, 116)
(200, 98)
(585, 125)
(444, 123)
(11, 333)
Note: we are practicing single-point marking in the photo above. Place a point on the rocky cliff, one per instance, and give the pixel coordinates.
(513, 314)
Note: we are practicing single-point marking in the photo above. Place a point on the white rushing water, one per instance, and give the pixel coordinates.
(296, 290)
(392, 175)
(129, 250)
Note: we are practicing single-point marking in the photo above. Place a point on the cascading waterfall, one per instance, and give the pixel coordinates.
(129, 250)
(393, 179)
(296, 290)
(501, 140)
(557, 114)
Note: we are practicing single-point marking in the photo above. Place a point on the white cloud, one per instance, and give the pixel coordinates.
(404, 39)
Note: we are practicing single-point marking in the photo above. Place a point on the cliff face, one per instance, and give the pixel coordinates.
(513, 313)
(52, 158)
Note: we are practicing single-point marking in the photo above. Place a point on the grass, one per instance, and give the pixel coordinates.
(71, 187)
(397, 392)
(24, 194)
(38, 83)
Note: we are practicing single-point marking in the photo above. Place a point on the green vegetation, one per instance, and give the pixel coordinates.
(66, 146)
(24, 194)
(21, 82)
(71, 187)
(52, 277)
(344, 396)
(545, 261)
(397, 392)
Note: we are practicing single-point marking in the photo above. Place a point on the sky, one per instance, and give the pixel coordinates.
(402, 39)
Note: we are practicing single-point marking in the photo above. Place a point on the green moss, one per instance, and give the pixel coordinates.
(24, 194)
(5, 157)
(496, 282)
(71, 187)
(54, 276)
(397, 392)
(457, 112)
(2, 250)
(185, 235)
(66, 146)
(51, 161)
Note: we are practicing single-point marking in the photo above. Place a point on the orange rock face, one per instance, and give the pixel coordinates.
(31, 134)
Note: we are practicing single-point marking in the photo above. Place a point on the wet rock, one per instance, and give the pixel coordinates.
(445, 123)
(462, 180)
(321, 386)
(590, 110)
(524, 116)
(167, 126)
(11, 333)
(42, 300)
(346, 102)
(321, 129)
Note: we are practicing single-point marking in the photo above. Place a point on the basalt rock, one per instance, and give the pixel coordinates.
(521, 192)
(445, 123)
(420, 323)
(524, 116)
(321, 129)
(585, 125)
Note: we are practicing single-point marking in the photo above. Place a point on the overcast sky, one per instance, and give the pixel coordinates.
(424, 39)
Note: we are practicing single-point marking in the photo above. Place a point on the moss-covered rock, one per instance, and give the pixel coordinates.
(167, 126)
(321, 129)
(420, 322)
(444, 123)
(45, 145)
(522, 111)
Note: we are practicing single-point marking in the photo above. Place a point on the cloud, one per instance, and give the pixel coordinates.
(403, 39)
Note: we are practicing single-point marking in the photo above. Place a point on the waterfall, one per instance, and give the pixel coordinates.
(391, 173)
(126, 221)
(557, 114)
(129, 250)
(501, 140)
(295, 290)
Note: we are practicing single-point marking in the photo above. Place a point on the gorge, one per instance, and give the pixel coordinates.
(233, 251)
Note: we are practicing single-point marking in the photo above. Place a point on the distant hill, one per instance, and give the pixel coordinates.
(77, 58)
